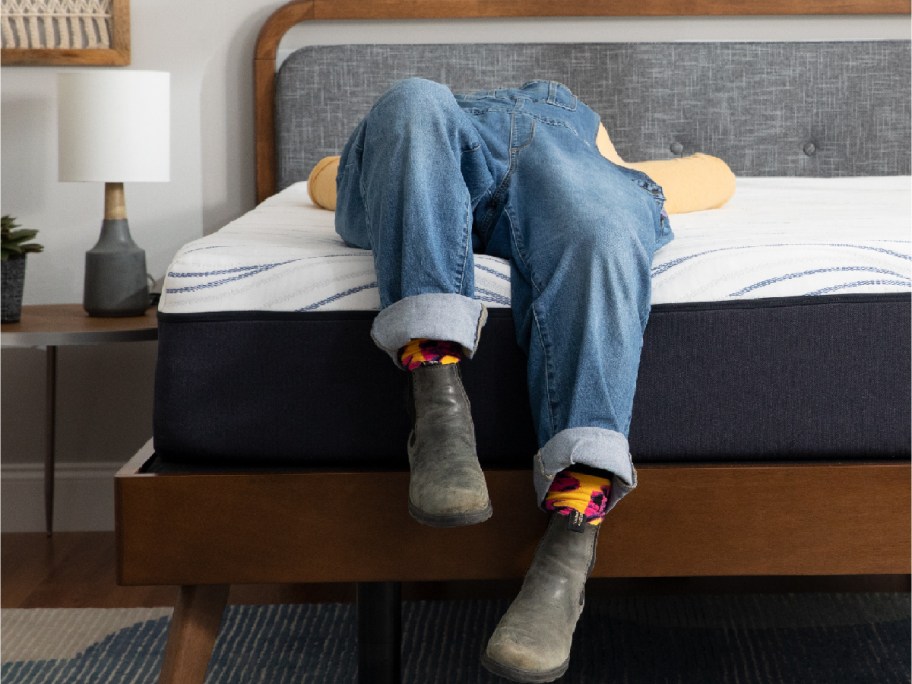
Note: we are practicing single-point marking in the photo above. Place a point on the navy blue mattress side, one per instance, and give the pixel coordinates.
(784, 380)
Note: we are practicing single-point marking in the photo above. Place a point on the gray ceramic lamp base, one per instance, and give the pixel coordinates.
(115, 274)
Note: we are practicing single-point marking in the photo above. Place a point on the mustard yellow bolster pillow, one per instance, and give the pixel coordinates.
(321, 184)
(691, 183)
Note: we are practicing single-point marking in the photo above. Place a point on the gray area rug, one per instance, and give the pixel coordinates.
(731, 639)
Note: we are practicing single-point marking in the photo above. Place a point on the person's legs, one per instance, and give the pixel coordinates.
(582, 291)
(518, 173)
(410, 177)
(582, 234)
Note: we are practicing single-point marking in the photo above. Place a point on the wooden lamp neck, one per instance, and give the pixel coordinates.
(115, 201)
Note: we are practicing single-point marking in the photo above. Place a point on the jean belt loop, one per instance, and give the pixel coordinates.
(552, 92)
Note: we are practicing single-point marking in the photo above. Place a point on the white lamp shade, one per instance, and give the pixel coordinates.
(114, 126)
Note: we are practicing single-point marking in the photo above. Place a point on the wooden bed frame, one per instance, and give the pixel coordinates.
(299, 11)
(207, 530)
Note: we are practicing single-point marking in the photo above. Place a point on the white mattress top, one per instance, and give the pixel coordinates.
(777, 237)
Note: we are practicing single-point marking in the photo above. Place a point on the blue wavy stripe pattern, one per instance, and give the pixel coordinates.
(668, 265)
(859, 283)
(339, 295)
(493, 272)
(836, 269)
(484, 295)
(901, 279)
(246, 272)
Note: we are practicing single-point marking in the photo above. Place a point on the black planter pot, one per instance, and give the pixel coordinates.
(13, 279)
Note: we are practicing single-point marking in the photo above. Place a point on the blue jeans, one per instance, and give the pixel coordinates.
(429, 177)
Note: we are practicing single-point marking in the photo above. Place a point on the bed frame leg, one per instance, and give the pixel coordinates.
(191, 636)
(379, 632)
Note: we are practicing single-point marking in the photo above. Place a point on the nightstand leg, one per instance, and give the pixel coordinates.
(51, 437)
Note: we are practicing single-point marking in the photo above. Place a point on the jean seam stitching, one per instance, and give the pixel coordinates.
(519, 249)
(501, 189)
(548, 374)
(466, 242)
(516, 149)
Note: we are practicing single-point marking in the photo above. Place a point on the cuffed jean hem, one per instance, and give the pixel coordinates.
(591, 446)
(435, 316)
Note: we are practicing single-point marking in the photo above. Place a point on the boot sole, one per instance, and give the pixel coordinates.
(524, 676)
(450, 519)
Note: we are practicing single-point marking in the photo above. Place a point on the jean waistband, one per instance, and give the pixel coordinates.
(549, 92)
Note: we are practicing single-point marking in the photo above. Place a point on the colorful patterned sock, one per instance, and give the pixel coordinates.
(581, 495)
(425, 352)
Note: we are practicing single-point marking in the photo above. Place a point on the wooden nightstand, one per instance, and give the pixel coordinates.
(58, 325)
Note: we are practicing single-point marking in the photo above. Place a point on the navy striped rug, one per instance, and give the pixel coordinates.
(730, 639)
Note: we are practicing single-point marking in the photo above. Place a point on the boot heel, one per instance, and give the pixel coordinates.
(450, 520)
(524, 676)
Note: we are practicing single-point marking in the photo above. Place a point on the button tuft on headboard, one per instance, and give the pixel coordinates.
(677, 148)
(810, 149)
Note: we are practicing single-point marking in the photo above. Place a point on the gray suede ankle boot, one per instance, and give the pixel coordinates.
(447, 487)
(532, 641)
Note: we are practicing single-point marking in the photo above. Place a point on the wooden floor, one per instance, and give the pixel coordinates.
(68, 570)
(76, 570)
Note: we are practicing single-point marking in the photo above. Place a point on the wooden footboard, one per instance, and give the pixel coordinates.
(685, 520)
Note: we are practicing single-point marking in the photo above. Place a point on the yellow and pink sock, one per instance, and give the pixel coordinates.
(424, 352)
(580, 495)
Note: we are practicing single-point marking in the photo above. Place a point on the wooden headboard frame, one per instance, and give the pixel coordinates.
(298, 11)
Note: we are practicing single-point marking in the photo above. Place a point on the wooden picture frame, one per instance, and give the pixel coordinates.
(89, 36)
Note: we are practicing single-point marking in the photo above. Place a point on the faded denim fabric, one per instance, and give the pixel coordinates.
(428, 178)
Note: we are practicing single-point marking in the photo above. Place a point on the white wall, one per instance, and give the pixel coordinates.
(105, 392)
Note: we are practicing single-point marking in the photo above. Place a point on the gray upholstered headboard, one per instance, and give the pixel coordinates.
(768, 109)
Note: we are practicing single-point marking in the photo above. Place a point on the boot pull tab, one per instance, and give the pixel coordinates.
(576, 521)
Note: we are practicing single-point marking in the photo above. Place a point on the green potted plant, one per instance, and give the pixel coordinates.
(15, 246)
